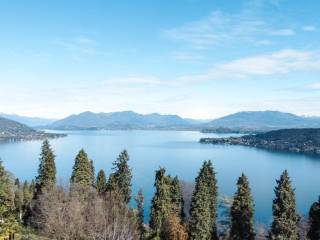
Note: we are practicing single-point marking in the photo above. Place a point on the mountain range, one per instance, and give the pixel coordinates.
(250, 121)
(257, 121)
(121, 120)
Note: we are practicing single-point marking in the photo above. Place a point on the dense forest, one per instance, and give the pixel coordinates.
(94, 206)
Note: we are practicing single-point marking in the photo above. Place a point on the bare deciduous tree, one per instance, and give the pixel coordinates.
(83, 214)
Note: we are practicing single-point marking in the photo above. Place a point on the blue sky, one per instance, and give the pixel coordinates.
(195, 58)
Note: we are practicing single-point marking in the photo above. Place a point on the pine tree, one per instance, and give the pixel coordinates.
(314, 219)
(140, 207)
(93, 176)
(18, 201)
(27, 194)
(112, 185)
(7, 215)
(284, 210)
(161, 202)
(177, 198)
(47, 169)
(101, 182)
(242, 227)
(32, 186)
(202, 224)
(82, 170)
(120, 179)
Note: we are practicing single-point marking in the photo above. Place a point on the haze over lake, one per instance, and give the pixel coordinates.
(181, 154)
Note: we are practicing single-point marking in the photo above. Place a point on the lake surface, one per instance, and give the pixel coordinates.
(181, 154)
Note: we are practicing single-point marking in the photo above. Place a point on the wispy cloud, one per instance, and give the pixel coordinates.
(219, 28)
(315, 86)
(280, 62)
(215, 29)
(309, 28)
(186, 57)
(79, 46)
(283, 32)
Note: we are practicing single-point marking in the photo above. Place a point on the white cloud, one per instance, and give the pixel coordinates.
(215, 29)
(187, 57)
(221, 28)
(280, 62)
(315, 86)
(309, 28)
(283, 32)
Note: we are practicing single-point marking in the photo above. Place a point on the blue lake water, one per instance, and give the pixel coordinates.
(181, 154)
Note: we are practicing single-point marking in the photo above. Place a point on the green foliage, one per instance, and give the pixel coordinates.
(314, 219)
(161, 202)
(27, 193)
(101, 182)
(18, 202)
(242, 227)
(47, 168)
(93, 176)
(120, 180)
(140, 207)
(284, 210)
(203, 211)
(177, 198)
(82, 170)
(8, 221)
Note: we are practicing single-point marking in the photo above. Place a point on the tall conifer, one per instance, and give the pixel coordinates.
(47, 169)
(161, 202)
(242, 227)
(140, 207)
(284, 225)
(82, 170)
(314, 219)
(202, 224)
(177, 198)
(120, 180)
(101, 182)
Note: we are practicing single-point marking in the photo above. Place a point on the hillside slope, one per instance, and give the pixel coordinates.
(119, 120)
(263, 121)
(12, 130)
(29, 121)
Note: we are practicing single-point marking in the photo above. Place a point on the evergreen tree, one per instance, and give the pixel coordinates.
(242, 227)
(93, 176)
(284, 210)
(18, 201)
(27, 194)
(161, 202)
(7, 217)
(82, 170)
(32, 186)
(177, 198)
(112, 185)
(101, 182)
(140, 207)
(120, 179)
(202, 224)
(47, 169)
(314, 219)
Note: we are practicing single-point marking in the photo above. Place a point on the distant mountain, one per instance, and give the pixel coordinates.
(263, 121)
(120, 120)
(11, 130)
(30, 121)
